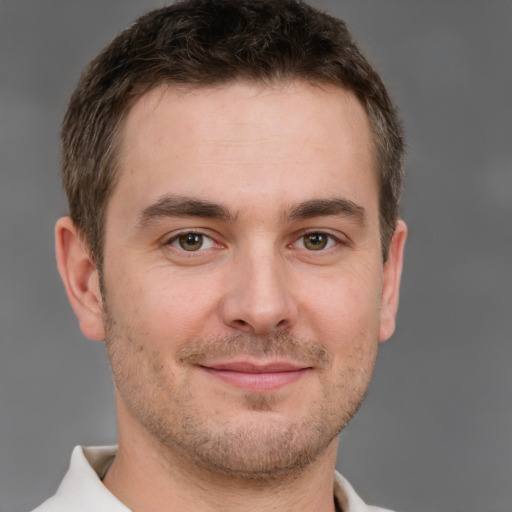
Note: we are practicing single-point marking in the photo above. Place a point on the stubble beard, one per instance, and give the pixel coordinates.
(266, 447)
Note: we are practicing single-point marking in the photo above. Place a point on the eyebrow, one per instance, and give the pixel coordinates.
(324, 207)
(184, 206)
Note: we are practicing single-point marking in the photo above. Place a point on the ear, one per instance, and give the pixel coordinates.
(80, 277)
(391, 282)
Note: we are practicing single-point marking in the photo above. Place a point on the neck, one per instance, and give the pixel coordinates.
(148, 477)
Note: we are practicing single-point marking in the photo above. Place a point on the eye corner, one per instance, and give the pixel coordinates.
(317, 241)
(190, 241)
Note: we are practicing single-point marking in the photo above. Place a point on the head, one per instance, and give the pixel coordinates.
(200, 44)
(234, 169)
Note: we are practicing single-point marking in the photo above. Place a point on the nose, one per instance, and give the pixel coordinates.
(259, 298)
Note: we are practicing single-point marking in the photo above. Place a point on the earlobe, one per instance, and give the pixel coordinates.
(391, 282)
(80, 277)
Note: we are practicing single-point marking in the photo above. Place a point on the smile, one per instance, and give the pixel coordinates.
(257, 378)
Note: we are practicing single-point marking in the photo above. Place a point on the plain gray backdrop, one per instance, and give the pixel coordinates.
(435, 433)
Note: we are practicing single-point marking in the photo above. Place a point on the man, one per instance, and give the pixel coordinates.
(233, 170)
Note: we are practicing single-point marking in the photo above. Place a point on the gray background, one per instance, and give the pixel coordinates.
(435, 433)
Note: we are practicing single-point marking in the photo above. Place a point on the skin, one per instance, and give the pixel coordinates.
(238, 362)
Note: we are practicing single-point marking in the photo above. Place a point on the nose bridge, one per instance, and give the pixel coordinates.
(260, 298)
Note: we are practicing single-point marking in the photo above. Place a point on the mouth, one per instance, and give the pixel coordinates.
(256, 377)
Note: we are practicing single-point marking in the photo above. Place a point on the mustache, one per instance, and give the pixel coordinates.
(285, 345)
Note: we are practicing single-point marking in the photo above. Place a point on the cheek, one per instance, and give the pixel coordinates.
(346, 306)
(348, 325)
(163, 306)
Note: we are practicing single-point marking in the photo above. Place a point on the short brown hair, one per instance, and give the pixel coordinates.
(198, 43)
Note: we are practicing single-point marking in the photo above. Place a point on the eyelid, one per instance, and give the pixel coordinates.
(170, 238)
(339, 238)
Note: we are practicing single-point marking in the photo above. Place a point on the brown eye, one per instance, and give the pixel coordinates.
(191, 241)
(316, 241)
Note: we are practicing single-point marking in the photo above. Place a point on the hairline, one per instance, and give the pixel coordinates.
(114, 159)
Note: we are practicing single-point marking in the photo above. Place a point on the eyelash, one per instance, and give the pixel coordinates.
(331, 241)
(174, 241)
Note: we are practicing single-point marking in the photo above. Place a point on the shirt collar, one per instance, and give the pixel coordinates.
(81, 489)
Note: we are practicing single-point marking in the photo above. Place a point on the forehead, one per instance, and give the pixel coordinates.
(245, 142)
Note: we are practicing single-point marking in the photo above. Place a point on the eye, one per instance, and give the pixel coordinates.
(192, 242)
(317, 241)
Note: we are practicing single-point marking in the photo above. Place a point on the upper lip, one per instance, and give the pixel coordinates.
(256, 367)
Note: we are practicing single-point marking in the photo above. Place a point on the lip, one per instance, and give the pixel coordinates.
(256, 377)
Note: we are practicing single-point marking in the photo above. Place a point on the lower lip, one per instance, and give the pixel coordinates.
(257, 382)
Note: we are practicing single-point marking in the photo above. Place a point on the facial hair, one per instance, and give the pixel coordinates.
(265, 446)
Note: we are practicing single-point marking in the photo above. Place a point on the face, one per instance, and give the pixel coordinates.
(244, 288)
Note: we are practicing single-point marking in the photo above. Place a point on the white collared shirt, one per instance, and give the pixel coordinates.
(81, 490)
